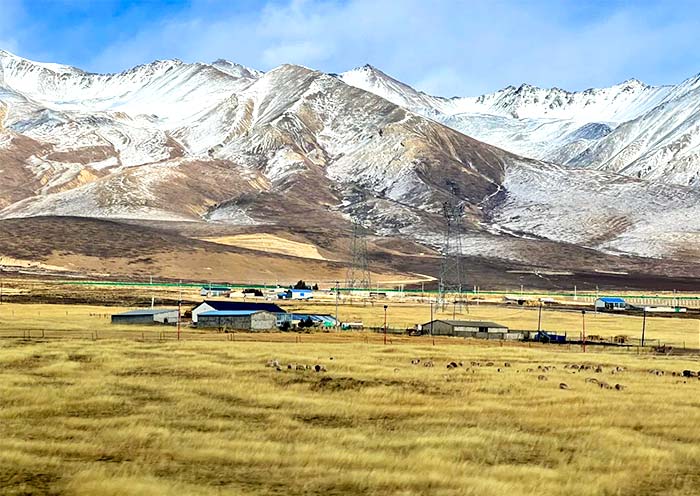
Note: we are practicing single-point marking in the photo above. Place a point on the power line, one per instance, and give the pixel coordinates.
(452, 278)
(358, 274)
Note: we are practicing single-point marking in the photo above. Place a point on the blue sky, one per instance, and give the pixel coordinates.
(443, 47)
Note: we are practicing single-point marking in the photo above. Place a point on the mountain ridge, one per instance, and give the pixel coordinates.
(298, 149)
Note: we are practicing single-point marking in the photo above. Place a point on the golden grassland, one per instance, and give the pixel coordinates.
(270, 243)
(668, 330)
(124, 417)
(85, 320)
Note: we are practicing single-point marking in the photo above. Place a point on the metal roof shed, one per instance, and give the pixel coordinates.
(240, 320)
(147, 316)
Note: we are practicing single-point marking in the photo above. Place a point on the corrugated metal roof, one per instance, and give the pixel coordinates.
(229, 313)
(316, 317)
(610, 299)
(150, 311)
(243, 306)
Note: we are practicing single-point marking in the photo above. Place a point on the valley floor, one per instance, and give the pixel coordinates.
(117, 417)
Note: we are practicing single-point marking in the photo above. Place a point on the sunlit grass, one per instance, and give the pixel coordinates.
(125, 417)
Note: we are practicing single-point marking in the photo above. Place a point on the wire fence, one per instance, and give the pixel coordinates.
(395, 336)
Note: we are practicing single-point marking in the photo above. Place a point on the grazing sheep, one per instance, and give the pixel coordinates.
(301, 367)
(604, 385)
(592, 380)
(452, 365)
(563, 385)
(415, 361)
(489, 364)
(619, 387)
(598, 369)
(541, 377)
(529, 370)
(290, 366)
(319, 368)
(506, 364)
(272, 363)
(429, 363)
(689, 373)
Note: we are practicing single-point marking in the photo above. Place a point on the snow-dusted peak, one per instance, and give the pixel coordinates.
(236, 70)
(9, 60)
(371, 79)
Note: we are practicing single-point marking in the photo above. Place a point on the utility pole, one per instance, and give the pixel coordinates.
(583, 319)
(644, 325)
(179, 309)
(337, 289)
(431, 316)
(385, 307)
(539, 318)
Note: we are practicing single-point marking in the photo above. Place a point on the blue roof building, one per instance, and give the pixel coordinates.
(610, 303)
(233, 306)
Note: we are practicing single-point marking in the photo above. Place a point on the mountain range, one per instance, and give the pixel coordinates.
(609, 173)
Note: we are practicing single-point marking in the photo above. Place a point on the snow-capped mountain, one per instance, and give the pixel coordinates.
(297, 148)
(631, 128)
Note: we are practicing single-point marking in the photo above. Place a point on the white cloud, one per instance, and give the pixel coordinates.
(441, 46)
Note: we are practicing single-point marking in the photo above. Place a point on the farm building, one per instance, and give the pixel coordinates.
(239, 320)
(147, 316)
(467, 329)
(233, 306)
(296, 294)
(321, 320)
(610, 304)
(212, 291)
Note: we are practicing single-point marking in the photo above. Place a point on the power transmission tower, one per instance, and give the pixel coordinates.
(452, 270)
(358, 276)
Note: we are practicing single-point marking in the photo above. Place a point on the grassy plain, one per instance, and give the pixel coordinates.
(671, 331)
(83, 320)
(123, 417)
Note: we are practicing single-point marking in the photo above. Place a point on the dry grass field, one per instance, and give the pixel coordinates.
(672, 331)
(86, 319)
(104, 417)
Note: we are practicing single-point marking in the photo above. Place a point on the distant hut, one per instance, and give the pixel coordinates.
(147, 316)
(233, 306)
(239, 320)
(467, 329)
(610, 304)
